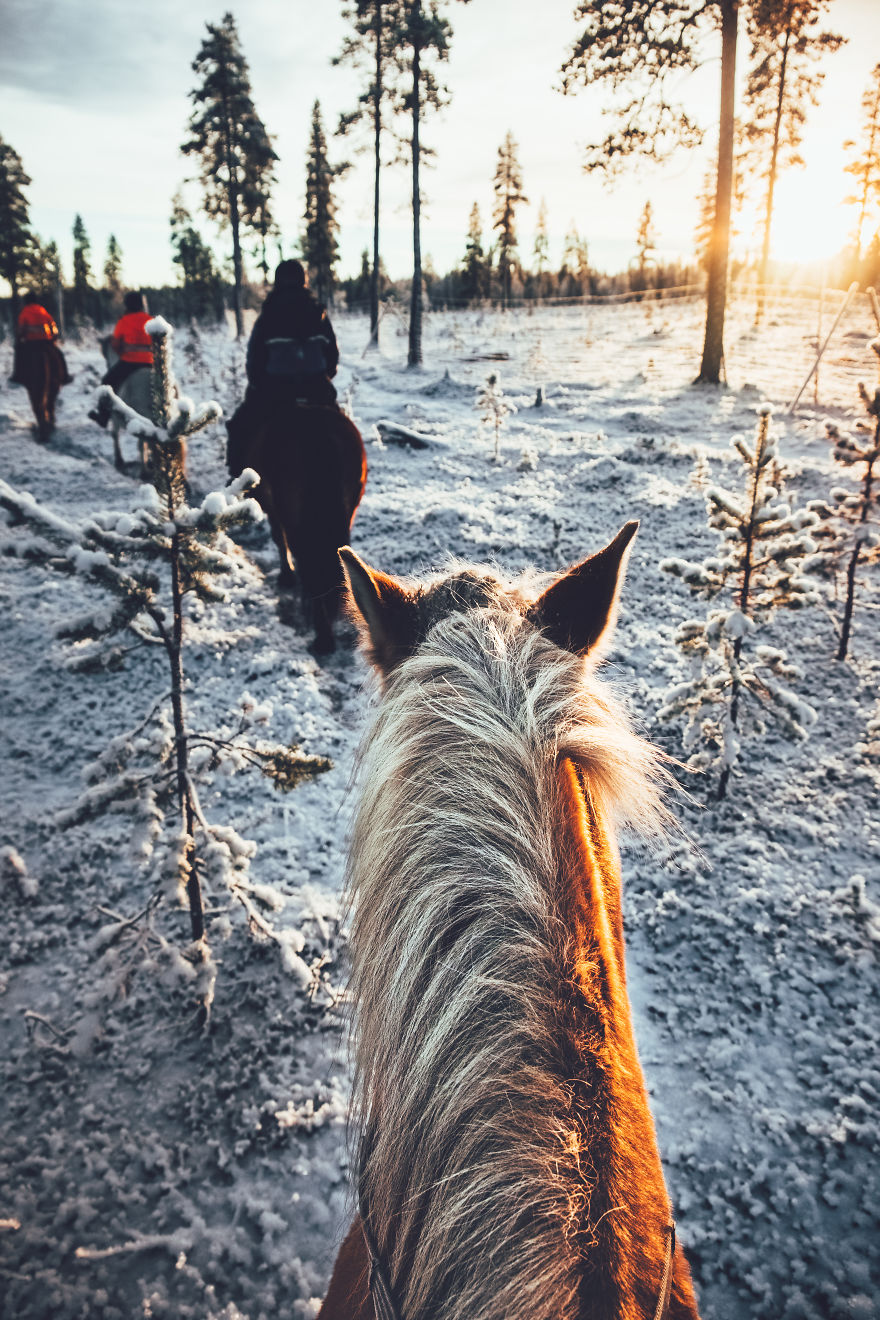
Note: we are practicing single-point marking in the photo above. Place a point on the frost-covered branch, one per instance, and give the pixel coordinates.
(850, 518)
(759, 567)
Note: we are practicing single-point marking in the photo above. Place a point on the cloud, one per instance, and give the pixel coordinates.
(89, 54)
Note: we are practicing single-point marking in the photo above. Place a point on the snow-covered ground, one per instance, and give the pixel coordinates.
(149, 1170)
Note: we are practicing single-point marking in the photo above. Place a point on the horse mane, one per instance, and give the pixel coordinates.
(476, 1171)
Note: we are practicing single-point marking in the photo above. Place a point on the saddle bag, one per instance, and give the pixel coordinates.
(296, 357)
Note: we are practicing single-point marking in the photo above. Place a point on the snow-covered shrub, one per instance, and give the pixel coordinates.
(151, 561)
(757, 569)
(493, 408)
(850, 528)
(14, 872)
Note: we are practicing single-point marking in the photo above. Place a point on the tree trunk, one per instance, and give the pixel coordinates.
(234, 221)
(854, 558)
(743, 604)
(771, 178)
(415, 307)
(377, 133)
(236, 257)
(184, 796)
(716, 286)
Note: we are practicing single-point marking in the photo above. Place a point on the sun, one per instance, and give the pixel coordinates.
(810, 223)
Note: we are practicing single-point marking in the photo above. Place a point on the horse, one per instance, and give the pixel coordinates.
(40, 367)
(313, 469)
(507, 1161)
(137, 392)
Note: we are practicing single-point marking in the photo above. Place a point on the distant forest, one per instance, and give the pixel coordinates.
(399, 48)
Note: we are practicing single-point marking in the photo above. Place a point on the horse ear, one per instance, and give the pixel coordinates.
(387, 609)
(577, 612)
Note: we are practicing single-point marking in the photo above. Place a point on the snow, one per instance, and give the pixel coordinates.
(149, 1169)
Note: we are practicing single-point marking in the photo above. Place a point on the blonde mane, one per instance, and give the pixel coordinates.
(474, 1166)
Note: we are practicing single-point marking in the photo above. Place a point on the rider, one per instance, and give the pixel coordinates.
(133, 347)
(35, 326)
(292, 354)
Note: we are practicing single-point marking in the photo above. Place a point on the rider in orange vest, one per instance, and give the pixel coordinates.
(133, 347)
(35, 326)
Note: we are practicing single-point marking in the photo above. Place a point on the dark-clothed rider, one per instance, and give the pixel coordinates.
(291, 356)
(133, 347)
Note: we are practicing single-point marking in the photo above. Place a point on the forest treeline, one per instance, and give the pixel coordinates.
(399, 47)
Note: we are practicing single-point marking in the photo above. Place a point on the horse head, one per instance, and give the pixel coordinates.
(508, 1166)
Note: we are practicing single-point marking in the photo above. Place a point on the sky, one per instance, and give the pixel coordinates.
(94, 98)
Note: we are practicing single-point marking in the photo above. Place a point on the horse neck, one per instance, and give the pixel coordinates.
(622, 1238)
(500, 1089)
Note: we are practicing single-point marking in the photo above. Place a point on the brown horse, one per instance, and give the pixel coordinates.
(40, 367)
(508, 1164)
(313, 470)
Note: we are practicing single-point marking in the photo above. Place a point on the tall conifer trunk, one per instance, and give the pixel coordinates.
(771, 178)
(415, 309)
(377, 134)
(716, 288)
(234, 219)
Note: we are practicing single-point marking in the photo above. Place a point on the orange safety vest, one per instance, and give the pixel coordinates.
(35, 325)
(130, 339)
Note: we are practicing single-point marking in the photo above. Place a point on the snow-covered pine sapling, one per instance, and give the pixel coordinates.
(158, 562)
(493, 408)
(850, 530)
(759, 568)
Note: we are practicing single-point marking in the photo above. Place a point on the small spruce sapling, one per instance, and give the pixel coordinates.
(150, 561)
(763, 546)
(849, 519)
(493, 408)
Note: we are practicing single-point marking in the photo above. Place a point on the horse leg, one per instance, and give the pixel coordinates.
(38, 404)
(286, 572)
(117, 449)
(323, 615)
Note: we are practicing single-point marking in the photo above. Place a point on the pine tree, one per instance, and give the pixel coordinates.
(574, 274)
(635, 50)
(783, 81)
(82, 271)
(509, 195)
(265, 227)
(493, 408)
(357, 290)
(421, 35)
(645, 245)
(763, 550)
(541, 249)
(202, 286)
(230, 142)
(850, 524)
(320, 245)
(372, 44)
(16, 240)
(865, 164)
(475, 268)
(43, 274)
(113, 273)
(151, 561)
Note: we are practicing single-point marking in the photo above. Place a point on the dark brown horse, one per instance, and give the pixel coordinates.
(507, 1163)
(40, 367)
(313, 470)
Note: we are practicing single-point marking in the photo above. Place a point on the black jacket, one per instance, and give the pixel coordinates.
(290, 314)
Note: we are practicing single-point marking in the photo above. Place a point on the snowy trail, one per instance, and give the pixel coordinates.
(212, 1174)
